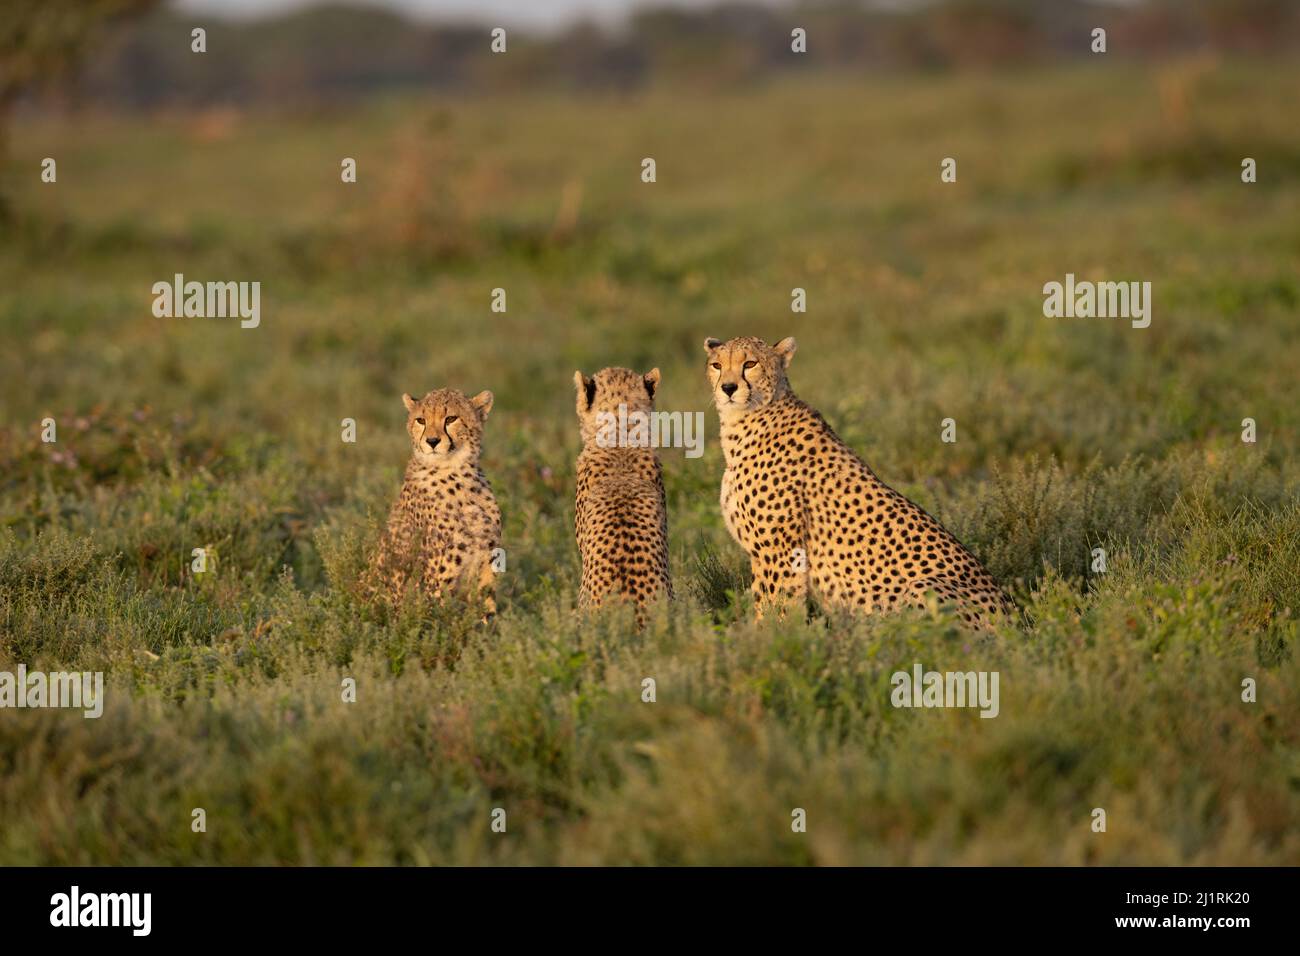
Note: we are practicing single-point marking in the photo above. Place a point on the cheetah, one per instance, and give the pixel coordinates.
(445, 526)
(814, 519)
(621, 516)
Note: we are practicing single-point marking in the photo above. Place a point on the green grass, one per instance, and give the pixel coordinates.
(1119, 690)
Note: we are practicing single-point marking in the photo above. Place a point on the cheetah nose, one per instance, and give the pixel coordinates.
(433, 442)
(730, 388)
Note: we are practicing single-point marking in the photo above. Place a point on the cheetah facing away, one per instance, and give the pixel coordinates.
(445, 524)
(621, 517)
(812, 516)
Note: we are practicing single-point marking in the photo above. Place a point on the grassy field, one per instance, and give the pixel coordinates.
(1120, 690)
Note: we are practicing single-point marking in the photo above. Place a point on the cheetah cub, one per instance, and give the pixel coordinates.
(622, 520)
(812, 516)
(445, 524)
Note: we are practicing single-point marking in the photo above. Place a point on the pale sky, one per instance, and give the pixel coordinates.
(535, 14)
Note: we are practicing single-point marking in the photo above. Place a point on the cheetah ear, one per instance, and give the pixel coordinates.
(651, 379)
(409, 402)
(711, 344)
(586, 390)
(785, 348)
(483, 402)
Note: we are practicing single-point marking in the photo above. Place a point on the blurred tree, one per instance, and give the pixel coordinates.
(987, 32)
(43, 40)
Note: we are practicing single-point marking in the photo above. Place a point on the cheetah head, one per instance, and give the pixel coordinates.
(446, 428)
(747, 373)
(600, 396)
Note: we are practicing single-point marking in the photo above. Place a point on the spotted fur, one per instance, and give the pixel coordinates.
(445, 524)
(813, 518)
(621, 517)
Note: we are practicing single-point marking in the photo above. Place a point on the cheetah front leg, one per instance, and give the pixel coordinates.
(388, 572)
(447, 576)
(487, 585)
(778, 565)
(440, 573)
(780, 577)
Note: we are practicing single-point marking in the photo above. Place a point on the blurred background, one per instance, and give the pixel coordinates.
(122, 54)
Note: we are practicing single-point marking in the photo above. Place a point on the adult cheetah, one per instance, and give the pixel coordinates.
(812, 516)
(445, 527)
(621, 517)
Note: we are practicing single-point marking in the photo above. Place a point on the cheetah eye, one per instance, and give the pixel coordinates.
(717, 365)
(450, 419)
(750, 364)
(419, 421)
